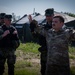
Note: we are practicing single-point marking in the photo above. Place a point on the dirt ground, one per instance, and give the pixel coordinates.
(34, 58)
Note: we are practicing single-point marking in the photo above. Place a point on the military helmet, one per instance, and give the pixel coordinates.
(49, 12)
(8, 17)
(2, 15)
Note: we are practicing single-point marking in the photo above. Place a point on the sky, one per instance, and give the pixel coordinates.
(21, 7)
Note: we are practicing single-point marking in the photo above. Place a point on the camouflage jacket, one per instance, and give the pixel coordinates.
(57, 44)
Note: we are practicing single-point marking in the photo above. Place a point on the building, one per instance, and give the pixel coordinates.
(23, 28)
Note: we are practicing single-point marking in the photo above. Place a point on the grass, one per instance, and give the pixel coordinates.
(73, 70)
(29, 47)
(72, 52)
(26, 66)
(27, 71)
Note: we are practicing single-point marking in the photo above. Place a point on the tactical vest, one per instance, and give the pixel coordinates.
(7, 41)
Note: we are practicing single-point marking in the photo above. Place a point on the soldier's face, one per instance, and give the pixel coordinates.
(7, 21)
(49, 18)
(56, 24)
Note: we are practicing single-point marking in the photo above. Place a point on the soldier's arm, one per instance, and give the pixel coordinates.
(16, 40)
(15, 33)
(4, 34)
(35, 28)
(71, 34)
(33, 25)
(41, 30)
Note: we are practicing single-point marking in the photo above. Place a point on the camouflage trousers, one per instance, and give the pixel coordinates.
(43, 61)
(7, 54)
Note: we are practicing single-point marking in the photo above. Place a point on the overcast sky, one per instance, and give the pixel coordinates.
(21, 7)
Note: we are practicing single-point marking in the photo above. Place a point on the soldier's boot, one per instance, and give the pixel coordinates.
(10, 69)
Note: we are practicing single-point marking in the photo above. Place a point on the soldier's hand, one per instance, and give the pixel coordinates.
(73, 31)
(6, 33)
(15, 32)
(30, 18)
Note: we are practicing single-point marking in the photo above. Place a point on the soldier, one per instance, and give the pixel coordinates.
(2, 18)
(57, 40)
(9, 41)
(49, 13)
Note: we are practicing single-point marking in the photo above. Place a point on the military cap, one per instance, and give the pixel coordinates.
(8, 17)
(49, 12)
(2, 15)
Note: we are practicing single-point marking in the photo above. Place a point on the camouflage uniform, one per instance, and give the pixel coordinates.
(43, 49)
(8, 45)
(42, 41)
(57, 44)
